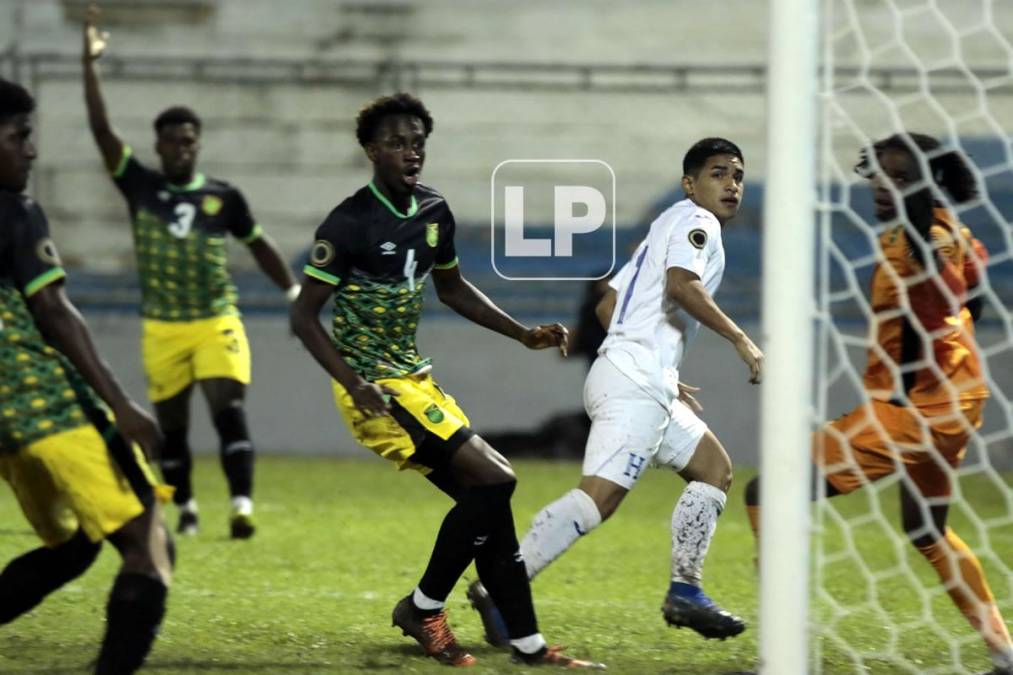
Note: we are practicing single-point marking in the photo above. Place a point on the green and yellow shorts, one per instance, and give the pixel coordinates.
(423, 430)
(78, 479)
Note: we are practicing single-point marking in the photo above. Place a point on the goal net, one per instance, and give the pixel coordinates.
(943, 68)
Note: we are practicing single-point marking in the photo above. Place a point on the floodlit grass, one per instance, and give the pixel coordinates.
(340, 541)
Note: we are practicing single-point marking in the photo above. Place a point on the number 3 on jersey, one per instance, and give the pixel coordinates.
(185, 213)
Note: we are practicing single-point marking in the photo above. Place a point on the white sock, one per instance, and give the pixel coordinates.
(529, 644)
(693, 523)
(423, 601)
(190, 506)
(556, 527)
(242, 505)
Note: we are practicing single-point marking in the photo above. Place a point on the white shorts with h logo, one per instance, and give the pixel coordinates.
(630, 430)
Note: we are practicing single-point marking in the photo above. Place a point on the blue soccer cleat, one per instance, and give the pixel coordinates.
(687, 605)
(492, 620)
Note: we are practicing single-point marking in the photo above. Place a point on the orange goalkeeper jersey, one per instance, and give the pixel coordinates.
(925, 354)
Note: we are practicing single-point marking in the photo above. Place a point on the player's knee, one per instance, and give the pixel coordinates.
(508, 476)
(923, 541)
(605, 495)
(726, 478)
(176, 441)
(144, 547)
(719, 473)
(607, 505)
(752, 492)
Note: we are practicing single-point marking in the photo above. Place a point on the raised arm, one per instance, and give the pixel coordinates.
(64, 328)
(685, 288)
(108, 142)
(460, 295)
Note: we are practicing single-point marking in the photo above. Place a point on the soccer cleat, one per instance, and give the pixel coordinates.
(554, 657)
(187, 525)
(241, 525)
(689, 606)
(495, 628)
(432, 631)
(1000, 670)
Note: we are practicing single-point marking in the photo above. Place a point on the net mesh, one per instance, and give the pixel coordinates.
(944, 69)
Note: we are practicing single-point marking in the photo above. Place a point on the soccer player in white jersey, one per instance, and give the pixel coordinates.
(640, 413)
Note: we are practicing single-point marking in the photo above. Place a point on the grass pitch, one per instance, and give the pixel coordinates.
(340, 541)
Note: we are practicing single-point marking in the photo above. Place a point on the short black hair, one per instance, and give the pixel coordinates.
(14, 100)
(369, 117)
(950, 167)
(177, 114)
(703, 150)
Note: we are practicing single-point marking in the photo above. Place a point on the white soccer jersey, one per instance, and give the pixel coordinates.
(649, 332)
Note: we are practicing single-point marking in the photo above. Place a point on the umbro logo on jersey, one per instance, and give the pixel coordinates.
(388, 248)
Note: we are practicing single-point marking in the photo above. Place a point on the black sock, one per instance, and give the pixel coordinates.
(465, 526)
(236, 451)
(177, 464)
(502, 571)
(29, 578)
(133, 616)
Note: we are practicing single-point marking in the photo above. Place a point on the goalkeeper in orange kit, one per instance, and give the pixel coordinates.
(924, 385)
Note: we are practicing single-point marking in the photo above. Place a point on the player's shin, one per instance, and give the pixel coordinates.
(694, 521)
(133, 616)
(455, 545)
(236, 455)
(964, 579)
(29, 578)
(556, 527)
(502, 571)
(176, 463)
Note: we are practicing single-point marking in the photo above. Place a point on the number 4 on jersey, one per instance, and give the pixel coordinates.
(409, 268)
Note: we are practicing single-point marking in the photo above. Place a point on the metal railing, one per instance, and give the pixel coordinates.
(34, 68)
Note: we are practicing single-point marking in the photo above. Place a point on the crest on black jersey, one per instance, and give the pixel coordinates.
(322, 253)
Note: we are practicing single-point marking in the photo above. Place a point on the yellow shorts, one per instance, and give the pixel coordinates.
(74, 479)
(858, 448)
(423, 430)
(177, 353)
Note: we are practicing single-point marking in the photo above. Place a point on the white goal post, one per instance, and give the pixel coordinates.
(843, 74)
(788, 290)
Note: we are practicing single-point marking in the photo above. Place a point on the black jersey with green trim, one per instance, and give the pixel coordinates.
(379, 260)
(40, 391)
(179, 241)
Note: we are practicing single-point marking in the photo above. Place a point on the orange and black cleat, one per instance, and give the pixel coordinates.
(554, 657)
(432, 631)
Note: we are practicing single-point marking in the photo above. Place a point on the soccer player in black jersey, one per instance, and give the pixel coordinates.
(78, 479)
(191, 330)
(373, 254)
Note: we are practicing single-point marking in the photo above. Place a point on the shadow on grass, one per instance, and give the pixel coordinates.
(198, 665)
